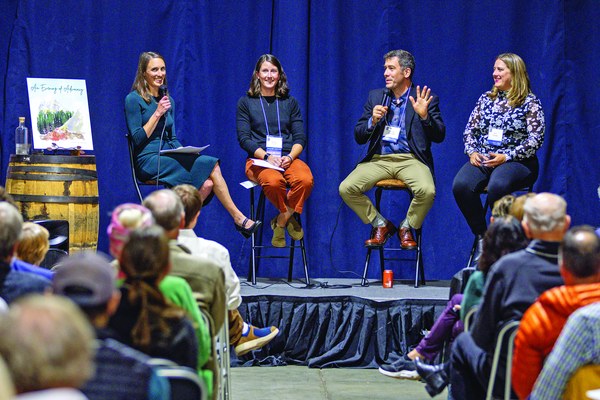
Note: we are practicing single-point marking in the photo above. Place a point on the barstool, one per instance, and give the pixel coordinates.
(395, 184)
(256, 238)
(486, 205)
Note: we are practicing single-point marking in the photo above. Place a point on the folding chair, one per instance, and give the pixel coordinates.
(184, 382)
(504, 344)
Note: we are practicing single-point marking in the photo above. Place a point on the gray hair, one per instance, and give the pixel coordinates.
(545, 212)
(46, 342)
(11, 225)
(166, 207)
(405, 59)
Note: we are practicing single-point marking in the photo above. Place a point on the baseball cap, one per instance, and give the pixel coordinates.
(86, 278)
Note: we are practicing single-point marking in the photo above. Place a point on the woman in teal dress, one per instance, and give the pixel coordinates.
(150, 121)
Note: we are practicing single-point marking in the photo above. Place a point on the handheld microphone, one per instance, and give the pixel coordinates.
(163, 91)
(386, 99)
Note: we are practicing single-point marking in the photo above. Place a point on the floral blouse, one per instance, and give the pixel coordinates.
(523, 127)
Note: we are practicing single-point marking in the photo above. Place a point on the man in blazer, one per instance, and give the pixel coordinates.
(399, 123)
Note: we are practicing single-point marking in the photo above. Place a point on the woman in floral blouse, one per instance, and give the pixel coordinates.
(504, 131)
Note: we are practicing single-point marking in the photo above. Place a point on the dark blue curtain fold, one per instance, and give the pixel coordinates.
(332, 53)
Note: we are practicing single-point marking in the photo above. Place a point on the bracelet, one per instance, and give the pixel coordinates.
(266, 157)
(290, 157)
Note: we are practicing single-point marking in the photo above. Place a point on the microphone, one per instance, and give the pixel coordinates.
(163, 91)
(386, 99)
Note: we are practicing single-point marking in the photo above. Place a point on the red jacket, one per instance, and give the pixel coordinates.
(540, 327)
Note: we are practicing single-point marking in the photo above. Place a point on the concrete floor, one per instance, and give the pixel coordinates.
(297, 382)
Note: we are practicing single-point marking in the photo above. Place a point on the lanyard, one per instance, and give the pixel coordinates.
(265, 115)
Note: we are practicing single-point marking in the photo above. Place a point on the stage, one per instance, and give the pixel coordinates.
(338, 323)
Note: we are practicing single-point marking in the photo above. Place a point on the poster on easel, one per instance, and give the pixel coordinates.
(60, 116)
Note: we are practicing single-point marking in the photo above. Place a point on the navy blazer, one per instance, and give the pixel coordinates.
(420, 133)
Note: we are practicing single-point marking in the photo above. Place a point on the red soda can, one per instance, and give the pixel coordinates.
(388, 278)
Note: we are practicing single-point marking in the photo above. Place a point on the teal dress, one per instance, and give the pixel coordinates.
(175, 169)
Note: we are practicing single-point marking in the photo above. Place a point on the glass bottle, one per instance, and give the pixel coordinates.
(22, 140)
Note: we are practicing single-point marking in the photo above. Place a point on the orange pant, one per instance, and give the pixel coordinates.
(275, 183)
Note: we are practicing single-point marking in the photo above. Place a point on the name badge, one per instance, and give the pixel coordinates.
(391, 134)
(495, 136)
(274, 145)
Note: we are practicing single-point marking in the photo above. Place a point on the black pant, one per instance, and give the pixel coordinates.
(470, 368)
(500, 181)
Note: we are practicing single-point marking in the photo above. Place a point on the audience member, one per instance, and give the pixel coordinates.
(14, 283)
(144, 318)
(578, 345)
(516, 209)
(121, 372)
(512, 285)
(128, 217)
(34, 244)
(31, 250)
(242, 336)
(47, 344)
(579, 258)
(203, 274)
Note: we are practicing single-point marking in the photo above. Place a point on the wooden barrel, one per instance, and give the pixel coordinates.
(58, 187)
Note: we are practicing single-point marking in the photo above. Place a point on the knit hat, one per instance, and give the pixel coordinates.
(126, 218)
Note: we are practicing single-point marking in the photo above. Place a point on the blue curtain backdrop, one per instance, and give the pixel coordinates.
(332, 52)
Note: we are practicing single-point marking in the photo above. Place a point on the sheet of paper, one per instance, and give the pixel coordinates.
(184, 150)
(265, 164)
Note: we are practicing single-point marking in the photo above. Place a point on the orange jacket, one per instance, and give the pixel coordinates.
(540, 327)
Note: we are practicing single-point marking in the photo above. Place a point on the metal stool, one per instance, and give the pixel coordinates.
(486, 205)
(395, 184)
(257, 237)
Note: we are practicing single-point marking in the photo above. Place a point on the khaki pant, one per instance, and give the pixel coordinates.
(236, 325)
(392, 166)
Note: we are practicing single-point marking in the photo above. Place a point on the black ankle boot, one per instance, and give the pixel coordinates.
(478, 251)
(434, 376)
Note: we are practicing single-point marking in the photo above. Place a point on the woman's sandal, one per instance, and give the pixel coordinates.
(247, 232)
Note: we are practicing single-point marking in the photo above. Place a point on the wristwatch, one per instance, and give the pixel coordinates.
(267, 155)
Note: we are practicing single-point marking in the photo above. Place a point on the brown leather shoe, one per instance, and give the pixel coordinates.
(380, 235)
(407, 241)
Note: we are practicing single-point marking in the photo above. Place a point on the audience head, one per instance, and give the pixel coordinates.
(545, 217)
(579, 255)
(281, 89)
(504, 235)
(144, 270)
(502, 206)
(125, 218)
(87, 279)
(192, 203)
(47, 343)
(33, 244)
(167, 210)
(516, 210)
(5, 196)
(405, 60)
(139, 84)
(11, 225)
